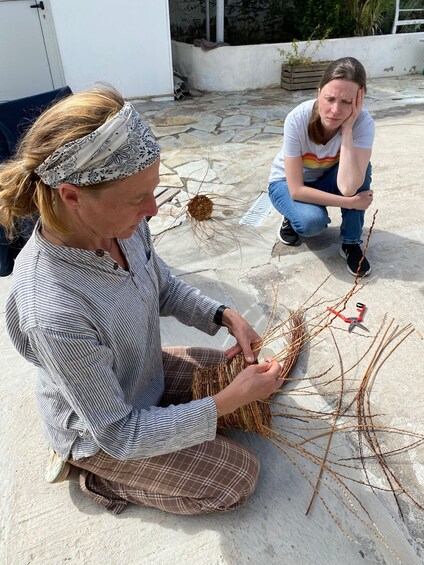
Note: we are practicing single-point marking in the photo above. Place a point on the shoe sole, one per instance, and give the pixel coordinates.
(290, 243)
(287, 242)
(343, 254)
(57, 470)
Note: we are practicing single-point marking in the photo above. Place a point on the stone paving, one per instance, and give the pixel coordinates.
(214, 142)
(256, 116)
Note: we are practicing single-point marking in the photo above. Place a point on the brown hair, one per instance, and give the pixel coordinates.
(22, 192)
(347, 68)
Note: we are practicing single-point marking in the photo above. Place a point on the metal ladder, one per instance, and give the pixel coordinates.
(399, 22)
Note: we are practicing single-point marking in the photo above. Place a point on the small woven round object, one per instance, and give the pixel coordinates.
(200, 207)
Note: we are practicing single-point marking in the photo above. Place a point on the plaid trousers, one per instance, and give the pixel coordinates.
(216, 475)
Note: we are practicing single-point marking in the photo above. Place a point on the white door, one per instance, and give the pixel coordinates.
(29, 56)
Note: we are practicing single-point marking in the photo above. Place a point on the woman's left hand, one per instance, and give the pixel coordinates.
(356, 109)
(248, 341)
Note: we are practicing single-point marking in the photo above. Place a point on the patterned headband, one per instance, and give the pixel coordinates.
(121, 147)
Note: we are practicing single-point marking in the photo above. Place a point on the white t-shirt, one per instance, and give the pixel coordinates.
(316, 158)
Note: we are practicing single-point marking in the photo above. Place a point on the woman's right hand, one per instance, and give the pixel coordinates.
(360, 200)
(256, 382)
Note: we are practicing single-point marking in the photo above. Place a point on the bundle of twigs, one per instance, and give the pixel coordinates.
(307, 435)
(308, 445)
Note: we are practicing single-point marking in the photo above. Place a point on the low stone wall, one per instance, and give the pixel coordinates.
(247, 67)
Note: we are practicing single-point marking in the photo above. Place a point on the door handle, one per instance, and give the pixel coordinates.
(39, 5)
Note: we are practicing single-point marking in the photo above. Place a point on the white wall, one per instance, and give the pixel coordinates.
(123, 42)
(259, 66)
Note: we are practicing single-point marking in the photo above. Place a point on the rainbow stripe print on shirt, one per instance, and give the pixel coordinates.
(311, 161)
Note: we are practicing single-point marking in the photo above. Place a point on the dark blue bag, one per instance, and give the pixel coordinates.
(16, 116)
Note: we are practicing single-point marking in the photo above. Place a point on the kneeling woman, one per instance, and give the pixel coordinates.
(84, 307)
(325, 161)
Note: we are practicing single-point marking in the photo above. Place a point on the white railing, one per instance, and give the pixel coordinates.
(406, 22)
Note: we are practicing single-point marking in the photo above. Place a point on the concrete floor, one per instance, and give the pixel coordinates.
(241, 266)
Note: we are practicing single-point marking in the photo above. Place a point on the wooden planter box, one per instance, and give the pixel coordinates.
(302, 77)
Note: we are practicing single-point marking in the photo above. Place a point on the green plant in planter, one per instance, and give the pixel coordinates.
(298, 71)
(294, 56)
(298, 56)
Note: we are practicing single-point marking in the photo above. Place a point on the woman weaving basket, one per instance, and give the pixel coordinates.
(84, 305)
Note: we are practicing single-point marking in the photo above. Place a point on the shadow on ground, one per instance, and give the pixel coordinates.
(391, 256)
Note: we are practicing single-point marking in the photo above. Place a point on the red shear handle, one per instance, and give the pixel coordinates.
(361, 309)
(339, 314)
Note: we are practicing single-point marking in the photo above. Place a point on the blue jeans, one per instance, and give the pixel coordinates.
(309, 220)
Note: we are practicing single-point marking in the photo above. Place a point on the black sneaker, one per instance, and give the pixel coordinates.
(353, 255)
(286, 233)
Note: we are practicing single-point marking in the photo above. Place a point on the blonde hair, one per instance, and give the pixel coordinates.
(22, 192)
(346, 68)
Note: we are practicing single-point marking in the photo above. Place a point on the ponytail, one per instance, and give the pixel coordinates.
(18, 188)
(22, 192)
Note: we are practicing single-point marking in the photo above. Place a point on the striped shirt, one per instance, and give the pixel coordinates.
(94, 334)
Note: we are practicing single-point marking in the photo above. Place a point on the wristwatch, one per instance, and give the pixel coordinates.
(218, 314)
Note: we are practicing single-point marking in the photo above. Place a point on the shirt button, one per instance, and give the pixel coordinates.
(99, 252)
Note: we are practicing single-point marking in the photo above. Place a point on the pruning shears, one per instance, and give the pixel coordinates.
(353, 321)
